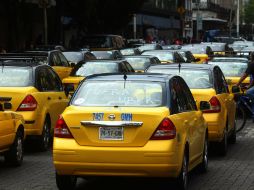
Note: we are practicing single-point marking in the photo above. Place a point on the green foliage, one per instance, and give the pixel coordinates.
(249, 12)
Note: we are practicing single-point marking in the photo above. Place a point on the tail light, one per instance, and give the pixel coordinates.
(61, 130)
(166, 130)
(28, 104)
(215, 106)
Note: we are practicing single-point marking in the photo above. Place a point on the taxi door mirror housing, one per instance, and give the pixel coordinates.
(68, 89)
(204, 105)
(7, 106)
(235, 89)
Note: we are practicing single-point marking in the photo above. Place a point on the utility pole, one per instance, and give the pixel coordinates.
(198, 20)
(237, 18)
(44, 4)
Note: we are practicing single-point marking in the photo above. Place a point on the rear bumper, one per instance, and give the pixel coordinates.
(155, 159)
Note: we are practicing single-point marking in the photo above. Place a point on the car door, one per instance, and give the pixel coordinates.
(186, 116)
(226, 98)
(7, 130)
(56, 96)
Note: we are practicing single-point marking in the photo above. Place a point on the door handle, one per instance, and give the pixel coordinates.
(185, 121)
(195, 119)
(60, 98)
(49, 98)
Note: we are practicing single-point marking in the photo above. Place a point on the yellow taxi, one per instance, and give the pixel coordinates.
(232, 68)
(199, 51)
(141, 62)
(86, 68)
(12, 134)
(144, 125)
(207, 83)
(54, 58)
(36, 93)
(166, 56)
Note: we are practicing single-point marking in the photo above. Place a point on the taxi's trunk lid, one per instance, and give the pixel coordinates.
(109, 126)
(203, 95)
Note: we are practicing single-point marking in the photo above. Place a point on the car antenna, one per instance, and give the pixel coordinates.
(179, 67)
(2, 66)
(124, 77)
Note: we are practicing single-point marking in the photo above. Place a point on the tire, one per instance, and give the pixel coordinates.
(240, 118)
(232, 138)
(16, 153)
(44, 139)
(182, 180)
(223, 145)
(203, 167)
(66, 182)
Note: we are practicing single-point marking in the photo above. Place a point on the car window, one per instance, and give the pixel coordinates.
(54, 60)
(42, 80)
(55, 84)
(129, 67)
(191, 105)
(220, 82)
(63, 61)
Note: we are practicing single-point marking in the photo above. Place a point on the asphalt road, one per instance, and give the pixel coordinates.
(234, 171)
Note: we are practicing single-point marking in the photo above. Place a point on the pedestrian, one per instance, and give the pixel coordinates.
(250, 88)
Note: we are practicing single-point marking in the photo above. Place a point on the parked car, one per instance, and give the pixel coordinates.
(107, 130)
(199, 51)
(12, 133)
(35, 92)
(208, 83)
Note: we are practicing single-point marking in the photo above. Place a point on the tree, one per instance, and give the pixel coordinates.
(249, 13)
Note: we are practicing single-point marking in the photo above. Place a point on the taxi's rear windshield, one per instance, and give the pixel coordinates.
(232, 69)
(91, 68)
(139, 63)
(15, 76)
(195, 79)
(120, 93)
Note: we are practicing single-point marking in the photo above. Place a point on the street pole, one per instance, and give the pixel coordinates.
(45, 26)
(134, 26)
(237, 18)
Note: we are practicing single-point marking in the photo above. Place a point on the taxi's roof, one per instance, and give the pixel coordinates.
(193, 66)
(157, 77)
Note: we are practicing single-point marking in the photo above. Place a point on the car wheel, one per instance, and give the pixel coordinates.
(204, 164)
(66, 182)
(223, 145)
(182, 180)
(44, 139)
(15, 154)
(232, 138)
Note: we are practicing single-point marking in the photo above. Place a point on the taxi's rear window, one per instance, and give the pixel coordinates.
(120, 93)
(231, 69)
(91, 68)
(195, 79)
(162, 56)
(15, 76)
(138, 63)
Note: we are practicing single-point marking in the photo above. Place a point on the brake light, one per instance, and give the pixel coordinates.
(61, 130)
(28, 104)
(215, 106)
(166, 130)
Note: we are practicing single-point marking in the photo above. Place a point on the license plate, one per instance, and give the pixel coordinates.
(111, 133)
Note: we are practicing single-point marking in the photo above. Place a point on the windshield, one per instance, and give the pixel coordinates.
(73, 56)
(139, 63)
(15, 77)
(119, 93)
(162, 56)
(127, 52)
(231, 69)
(103, 54)
(195, 79)
(91, 68)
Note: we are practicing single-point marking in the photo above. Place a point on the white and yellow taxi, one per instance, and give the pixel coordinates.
(12, 134)
(207, 83)
(143, 125)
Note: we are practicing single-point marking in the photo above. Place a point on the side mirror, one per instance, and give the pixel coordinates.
(197, 59)
(235, 89)
(204, 105)
(68, 88)
(7, 106)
